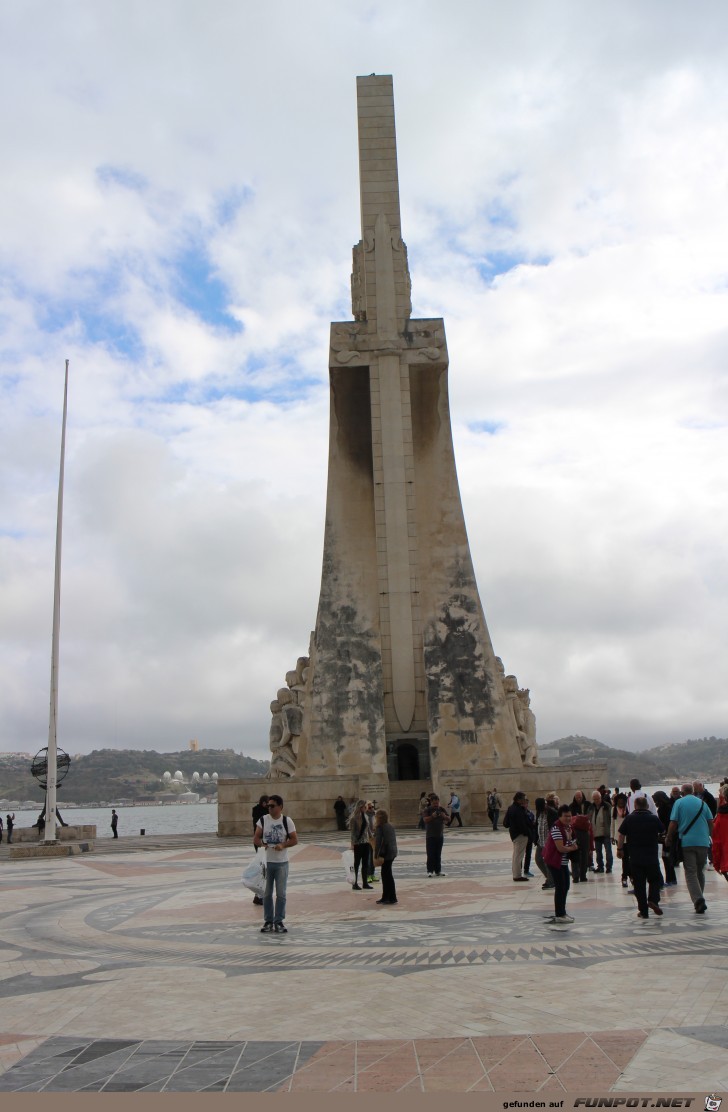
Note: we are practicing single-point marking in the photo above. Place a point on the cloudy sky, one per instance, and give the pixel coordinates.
(178, 202)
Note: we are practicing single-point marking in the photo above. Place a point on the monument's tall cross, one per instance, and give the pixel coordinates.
(401, 680)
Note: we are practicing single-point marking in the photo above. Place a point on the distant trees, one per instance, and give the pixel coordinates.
(129, 773)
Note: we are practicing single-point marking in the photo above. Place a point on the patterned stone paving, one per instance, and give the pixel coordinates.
(147, 971)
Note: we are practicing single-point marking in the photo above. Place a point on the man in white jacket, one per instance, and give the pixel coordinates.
(637, 793)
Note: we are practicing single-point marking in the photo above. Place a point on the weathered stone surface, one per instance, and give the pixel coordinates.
(401, 680)
(69, 833)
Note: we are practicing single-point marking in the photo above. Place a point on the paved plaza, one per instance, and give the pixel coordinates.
(127, 971)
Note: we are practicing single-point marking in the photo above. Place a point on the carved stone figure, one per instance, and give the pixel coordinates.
(287, 722)
(519, 700)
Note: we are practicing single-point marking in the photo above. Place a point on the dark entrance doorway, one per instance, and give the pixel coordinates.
(408, 761)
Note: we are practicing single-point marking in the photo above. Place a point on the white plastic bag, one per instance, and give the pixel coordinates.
(254, 875)
(347, 860)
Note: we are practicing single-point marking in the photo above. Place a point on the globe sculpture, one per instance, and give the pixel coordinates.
(39, 766)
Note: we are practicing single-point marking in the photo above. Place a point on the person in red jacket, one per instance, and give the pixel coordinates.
(720, 835)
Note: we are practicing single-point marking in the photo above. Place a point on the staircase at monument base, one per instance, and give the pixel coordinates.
(404, 801)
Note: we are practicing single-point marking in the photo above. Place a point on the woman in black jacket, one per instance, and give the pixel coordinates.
(664, 806)
(385, 850)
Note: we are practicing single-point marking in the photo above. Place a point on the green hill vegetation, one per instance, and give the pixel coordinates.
(109, 774)
(704, 759)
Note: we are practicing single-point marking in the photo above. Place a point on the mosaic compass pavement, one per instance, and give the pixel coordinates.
(130, 970)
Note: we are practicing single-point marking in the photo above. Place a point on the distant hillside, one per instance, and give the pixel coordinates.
(705, 759)
(621, 764)
(109, 774)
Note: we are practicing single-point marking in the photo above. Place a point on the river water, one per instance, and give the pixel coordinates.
(168, 818)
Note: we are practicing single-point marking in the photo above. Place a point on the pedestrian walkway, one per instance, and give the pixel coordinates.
(131, 971)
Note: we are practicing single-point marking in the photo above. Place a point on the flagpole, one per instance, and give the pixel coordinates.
(51, 779)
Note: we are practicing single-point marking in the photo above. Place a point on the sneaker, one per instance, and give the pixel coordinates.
(654, 907)
(625, 883)
(641, 916)
(267, 928)
(598, 870)
(440, 874)
(373, 879)
(544, 887)
(368, 887)
(529, 875)
(701, 906)
(519, 879)
(257, 900)
(356, 887)
(430, 874)
(280, 929)
(563, 918)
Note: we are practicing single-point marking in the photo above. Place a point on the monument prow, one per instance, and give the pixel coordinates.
(401, 685)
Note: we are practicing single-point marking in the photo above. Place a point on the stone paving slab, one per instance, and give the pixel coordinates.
(148, 972)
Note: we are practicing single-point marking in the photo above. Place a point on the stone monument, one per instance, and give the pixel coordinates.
(401, 687)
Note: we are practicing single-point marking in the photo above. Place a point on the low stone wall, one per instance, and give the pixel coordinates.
(310, 800)
(535, 780)
(58, 849)
(23, 834)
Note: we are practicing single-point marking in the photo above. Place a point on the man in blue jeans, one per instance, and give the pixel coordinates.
(692, 820)
(277, 833)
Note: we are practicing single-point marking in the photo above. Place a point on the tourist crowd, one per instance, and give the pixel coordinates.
(647, 834)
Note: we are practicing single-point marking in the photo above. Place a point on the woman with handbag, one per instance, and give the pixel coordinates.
(359, 828)
(385, 850)
(559, 844)
(619, 814)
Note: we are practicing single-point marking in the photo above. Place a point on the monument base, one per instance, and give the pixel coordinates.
(50, 849)
(309, 800)
(69, 833)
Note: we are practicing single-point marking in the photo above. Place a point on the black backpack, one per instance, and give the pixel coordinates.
(285, 823)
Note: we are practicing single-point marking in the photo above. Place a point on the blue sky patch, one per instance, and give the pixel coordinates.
(242, 389)
(98, 326)
(492, 428)
(498, 262)
(701, 424)
(122, 176)
(229, 203)
(499, 214)
(196, 286)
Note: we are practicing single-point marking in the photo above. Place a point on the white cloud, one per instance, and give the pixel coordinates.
(170, 170)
